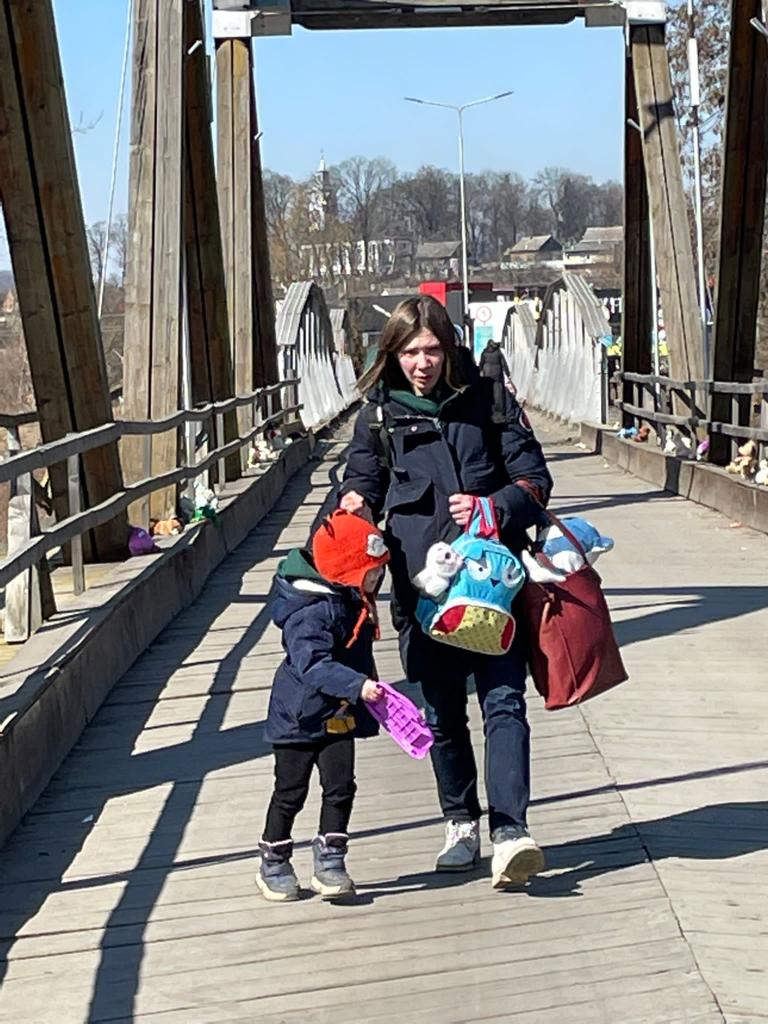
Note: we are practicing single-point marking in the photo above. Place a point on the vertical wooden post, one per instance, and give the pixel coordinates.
(637, 323)
(266, 357)
(153, 280)
(211, 357)
(742, 213)
(49, 252)
(672, 237)
(233, 150)
(241, 192)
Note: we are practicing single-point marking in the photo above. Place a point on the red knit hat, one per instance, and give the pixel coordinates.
(345, 547)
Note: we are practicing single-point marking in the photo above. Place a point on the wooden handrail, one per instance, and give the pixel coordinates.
(86, 440)
(31, 552)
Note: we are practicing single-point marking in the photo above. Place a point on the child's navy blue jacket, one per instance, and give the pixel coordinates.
(319, 670)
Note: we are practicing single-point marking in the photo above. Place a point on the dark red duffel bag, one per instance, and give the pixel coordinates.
(573, 651)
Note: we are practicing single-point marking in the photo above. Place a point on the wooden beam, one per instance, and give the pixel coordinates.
(672, 237)
(49, 253)
(153, 281)
(211, 357)
(742, 213)
(233, 152)
(265, 356)
(637, 322)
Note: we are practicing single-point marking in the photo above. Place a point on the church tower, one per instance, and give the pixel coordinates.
(322, 198)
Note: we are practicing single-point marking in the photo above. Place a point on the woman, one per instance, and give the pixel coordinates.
(493, 364)
(426, 442)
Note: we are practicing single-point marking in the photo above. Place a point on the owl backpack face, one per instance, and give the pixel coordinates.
(474, 611)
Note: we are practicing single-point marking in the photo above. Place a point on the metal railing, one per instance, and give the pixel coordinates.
(20, 465)
(654, 399)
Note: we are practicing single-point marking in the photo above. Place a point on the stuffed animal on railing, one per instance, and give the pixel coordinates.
(761, 477)
(677, 443)
(554, 556)
(642, 435)
(165, 527)
(745, 463)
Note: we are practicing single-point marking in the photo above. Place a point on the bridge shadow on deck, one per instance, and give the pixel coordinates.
(682, 608)
(185, 765)
(714, 832)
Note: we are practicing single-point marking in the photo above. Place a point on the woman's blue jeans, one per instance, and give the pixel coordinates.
(445, 674)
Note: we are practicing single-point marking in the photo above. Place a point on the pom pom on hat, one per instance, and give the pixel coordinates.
(345, 547)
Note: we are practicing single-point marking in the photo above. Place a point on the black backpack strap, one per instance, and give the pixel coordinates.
(375, 418)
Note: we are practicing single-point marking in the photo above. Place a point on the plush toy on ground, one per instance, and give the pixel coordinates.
(165, 527)
(555, 556)
(702, 450)
(140, 542)
(745, 463)
(677, 444)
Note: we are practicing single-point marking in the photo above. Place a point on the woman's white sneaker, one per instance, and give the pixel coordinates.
(462, 846)
(516, 856)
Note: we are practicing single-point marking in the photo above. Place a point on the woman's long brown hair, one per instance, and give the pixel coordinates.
(408, 318)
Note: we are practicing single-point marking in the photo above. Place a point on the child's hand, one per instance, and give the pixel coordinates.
(371, 691)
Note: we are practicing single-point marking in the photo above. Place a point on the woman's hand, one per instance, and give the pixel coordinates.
(371, 691)
(354, 503)
(460, 507)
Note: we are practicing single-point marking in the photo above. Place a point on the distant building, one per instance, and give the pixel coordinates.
(321, 198)
(385, 257)
(533, 249)
(596, 246)
(439, 261)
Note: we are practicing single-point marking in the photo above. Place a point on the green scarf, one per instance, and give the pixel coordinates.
(428, 405)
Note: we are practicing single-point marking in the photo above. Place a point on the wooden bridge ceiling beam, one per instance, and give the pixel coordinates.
(742, 212)
(152, 380)
(672, 238)
(49, 253)
(367, 14)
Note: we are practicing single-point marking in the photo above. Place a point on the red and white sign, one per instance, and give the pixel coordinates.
(483, 314)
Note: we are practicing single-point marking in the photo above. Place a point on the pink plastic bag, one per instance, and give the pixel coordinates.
(400, 717)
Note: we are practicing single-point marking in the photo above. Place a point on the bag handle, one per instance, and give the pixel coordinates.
(482, 520)
(533, 492)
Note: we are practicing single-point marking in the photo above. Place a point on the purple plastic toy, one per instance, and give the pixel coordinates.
(403, 721)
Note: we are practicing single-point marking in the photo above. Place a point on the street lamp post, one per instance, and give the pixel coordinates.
(462, 194)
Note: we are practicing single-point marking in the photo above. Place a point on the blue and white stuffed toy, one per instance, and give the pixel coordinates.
(554, 555)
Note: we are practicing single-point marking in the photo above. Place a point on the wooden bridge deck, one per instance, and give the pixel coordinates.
(128, 892)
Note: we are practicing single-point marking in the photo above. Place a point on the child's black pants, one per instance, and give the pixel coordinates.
(335, 760)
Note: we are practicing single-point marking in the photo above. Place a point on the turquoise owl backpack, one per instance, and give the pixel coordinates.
(468, 587)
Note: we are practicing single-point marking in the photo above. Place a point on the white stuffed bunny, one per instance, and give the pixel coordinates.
(442, 564)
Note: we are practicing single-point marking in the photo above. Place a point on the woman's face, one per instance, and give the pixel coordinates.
(422, 361)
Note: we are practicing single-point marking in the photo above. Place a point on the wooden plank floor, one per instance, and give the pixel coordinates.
(128, 895)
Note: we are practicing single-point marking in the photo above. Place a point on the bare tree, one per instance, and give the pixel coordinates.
(362, 184)
(97, 247)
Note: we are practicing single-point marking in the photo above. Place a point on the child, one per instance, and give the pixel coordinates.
(325, 607)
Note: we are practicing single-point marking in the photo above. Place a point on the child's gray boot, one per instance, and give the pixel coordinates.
(276, 877)
(330, 878)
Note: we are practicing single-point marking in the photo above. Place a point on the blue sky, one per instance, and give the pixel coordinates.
(342, 92)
